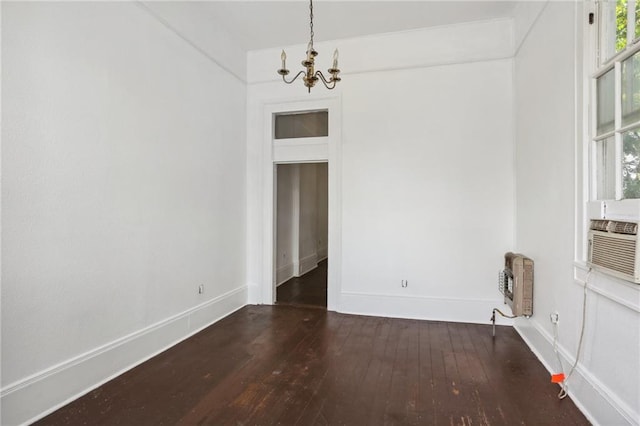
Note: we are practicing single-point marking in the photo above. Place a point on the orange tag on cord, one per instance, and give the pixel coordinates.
(557, 378)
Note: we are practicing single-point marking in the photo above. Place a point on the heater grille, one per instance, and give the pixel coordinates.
(515, 282)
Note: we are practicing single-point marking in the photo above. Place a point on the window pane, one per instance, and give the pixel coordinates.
(630, 161)
(613, 31)
(631, 90)
(637, 19)
(606, 93)
(302, 125)
(606, 169)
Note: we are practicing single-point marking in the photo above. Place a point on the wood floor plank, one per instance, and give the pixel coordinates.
(309, 368)
(463, 387)
(267, 365)
(313, 410)
(401, 406)
(307, 290)
(351, 367)
(383, 380)
(414, 417)
(246, 381)
(426, 398)
(365, 389)
(342, 379)
(496, 393)
(444, 371)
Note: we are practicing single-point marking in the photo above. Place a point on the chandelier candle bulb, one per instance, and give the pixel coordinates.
(283, 56)
(309, 50)
(335, 59)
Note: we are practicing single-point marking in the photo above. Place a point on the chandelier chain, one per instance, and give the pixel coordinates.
(311, 20)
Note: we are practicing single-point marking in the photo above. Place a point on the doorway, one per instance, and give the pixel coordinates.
(301, 234)
(321, 149)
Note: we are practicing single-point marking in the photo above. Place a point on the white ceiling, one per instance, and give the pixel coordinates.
(265, 24)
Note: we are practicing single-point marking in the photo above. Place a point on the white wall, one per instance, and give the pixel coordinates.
(606, 384)
(193, 22)
(308, 219)
(427, 168)
(428, 188)
(322, 209)
(123, 182)
(525, 14)
(287, 217)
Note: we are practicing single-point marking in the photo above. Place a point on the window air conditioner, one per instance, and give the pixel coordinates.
(612, 249)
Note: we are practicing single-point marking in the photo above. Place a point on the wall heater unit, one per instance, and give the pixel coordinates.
(613, 248)
(516, 284)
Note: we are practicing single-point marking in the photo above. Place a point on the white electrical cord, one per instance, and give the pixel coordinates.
(563, 385)
(555, 345)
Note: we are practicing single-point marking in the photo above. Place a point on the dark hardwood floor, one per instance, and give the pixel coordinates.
(308, 290)
(268, 365)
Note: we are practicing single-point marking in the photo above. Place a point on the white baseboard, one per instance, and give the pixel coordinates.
(34, 397)
(597, 402)
(254, 291)
(476, 311)
(284, 274)
(308, 263)
(322, 253)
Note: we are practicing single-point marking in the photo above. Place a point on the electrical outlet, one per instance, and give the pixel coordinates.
(554, 317)
(404, 283)
(201, 289)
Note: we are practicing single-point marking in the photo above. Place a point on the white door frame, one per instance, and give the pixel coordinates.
(301, 151)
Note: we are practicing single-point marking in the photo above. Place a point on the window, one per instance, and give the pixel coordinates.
(618, 26)
(307, 124)
(616, 124)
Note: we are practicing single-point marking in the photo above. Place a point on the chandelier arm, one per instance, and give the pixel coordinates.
(294, 78)
(325, 81)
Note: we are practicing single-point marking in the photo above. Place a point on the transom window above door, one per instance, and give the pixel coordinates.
(301, 124)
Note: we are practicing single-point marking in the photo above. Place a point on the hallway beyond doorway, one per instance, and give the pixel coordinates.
(309, 289)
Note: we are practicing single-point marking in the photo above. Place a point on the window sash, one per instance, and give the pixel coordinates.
(630, 84)
(630, 163)
(614, 154)
(608, 27)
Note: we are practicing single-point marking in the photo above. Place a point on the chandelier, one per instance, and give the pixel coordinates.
(310, 75)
